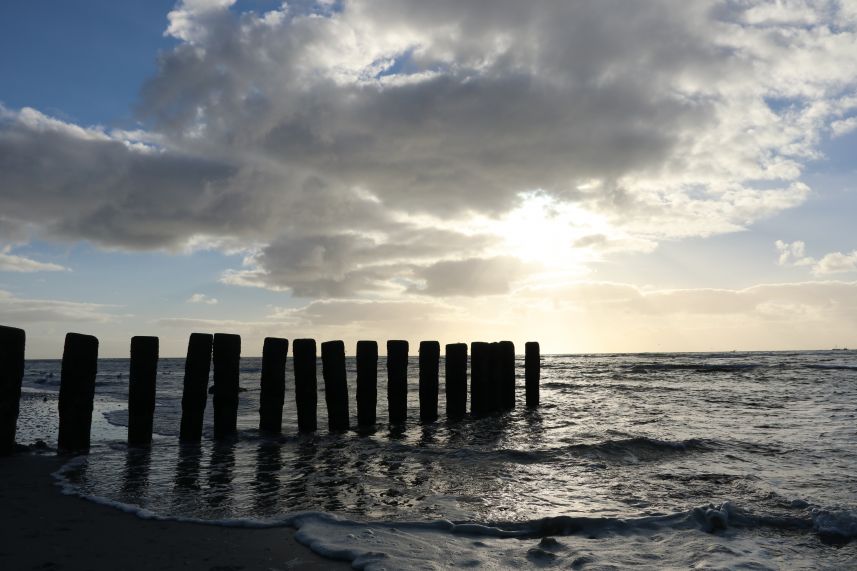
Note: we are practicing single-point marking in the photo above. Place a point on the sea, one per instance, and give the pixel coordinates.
(741, 460)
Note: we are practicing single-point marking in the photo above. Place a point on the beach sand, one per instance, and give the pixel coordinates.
(40, 528)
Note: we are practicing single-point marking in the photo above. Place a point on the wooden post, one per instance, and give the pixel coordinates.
(141, 390)
(367, 382)
(532, 372)
(197, 365)
(493, 393)
(506, 364)
(77, 390)
(480, 377)
(429, 364)
(397, 381)
(12, 342)
(227, 359)
(456, 380)
(273, 385)
(335, 386)
(306, 383)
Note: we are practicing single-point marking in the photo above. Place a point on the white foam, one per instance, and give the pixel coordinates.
(671, 541)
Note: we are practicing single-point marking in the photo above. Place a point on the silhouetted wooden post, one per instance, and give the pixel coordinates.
(429, 364)
(506, 364)
(532, 372)
(367, 382)
(456, 380)
(272, 393)
(335, 387)
(480, 377)
(493, 393)
(306, 383)
(77, 390)
(141, 390)
(227, 362)
(197, 366)
(397, 381)
(12, 342)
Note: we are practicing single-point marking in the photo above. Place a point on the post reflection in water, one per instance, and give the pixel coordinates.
(188, 466)
(427, 462)
(332, 479)
(299, 489)
(266, 484)
(397, 432)
(221, 470)
(135, 476)
(535, 432)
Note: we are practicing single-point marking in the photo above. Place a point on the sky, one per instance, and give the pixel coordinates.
(598, 176)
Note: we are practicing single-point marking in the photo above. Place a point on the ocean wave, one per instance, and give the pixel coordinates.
(440, 544)
(818, 366)
(694, 367)
(841, 522)
(621, 451)
(640, 448)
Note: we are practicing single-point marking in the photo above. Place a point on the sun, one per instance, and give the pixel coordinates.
(551, 234)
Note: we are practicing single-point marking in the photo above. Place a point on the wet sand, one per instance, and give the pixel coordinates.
(41, 528)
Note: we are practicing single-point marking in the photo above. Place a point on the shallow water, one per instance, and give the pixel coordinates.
(735, 460)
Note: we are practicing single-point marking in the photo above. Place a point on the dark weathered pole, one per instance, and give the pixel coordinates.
(493, 394)
(532, 372)
(367, 382)
(77, 390)
(429, 364)
(197, 365)
(506, 364)
(456, 380)
(12, 342)
(141, 390)
(397, 381)
(273, 384)
(335, 387)
(480, 377)
(306, 383)
(227, 362)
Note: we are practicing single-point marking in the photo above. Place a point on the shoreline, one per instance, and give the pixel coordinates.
(43, 528)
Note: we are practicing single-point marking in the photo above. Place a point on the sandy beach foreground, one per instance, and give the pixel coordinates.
(43, 529)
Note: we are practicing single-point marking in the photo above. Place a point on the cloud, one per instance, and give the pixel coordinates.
(836, 262)
(794, 254)
(202, 298)
(22, 311)
(328, 139)
(347, 312)
(757, 300)
(843, 126)
(471, 276)
(11, 263)
(341, 265)
(580, 316)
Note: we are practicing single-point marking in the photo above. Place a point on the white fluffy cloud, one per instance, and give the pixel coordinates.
(333, 140)
(794, 254)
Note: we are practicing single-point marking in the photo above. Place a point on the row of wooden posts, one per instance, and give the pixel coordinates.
(492, 384)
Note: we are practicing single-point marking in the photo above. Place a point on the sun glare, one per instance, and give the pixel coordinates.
(551, 234)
